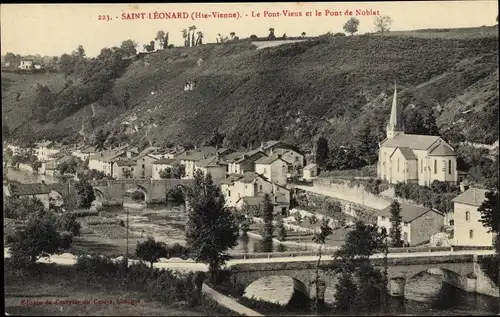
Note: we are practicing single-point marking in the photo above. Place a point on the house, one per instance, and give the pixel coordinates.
(294, 159)
(103, 161)
(161, 165)
(214, 166)
(414, 158)
(26, 64)
(310, 171)
(244, 163)
(279, 206)
(84, 152)
(145, 162)
(123, 168)
(213, 150)
(418, 223)
(238, 186)
(189, 159)
(267, 147)
(171, 153)
(467, 230)
(273, 168)
(38, 66)
(43, 192)
(46, 151)
(50, 167)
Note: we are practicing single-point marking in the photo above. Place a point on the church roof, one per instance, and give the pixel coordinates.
(407, 153)
(413, 141)
(442, 150)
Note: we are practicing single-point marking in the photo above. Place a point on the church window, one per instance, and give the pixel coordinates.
(435, 166)
(449, 167)
(398, 165)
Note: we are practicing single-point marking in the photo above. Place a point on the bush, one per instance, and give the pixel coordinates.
(490, 265)
(66, 239)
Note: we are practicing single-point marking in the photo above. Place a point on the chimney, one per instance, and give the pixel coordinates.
(102, 154)
(271, 152)
(462, 187)
(279, 156)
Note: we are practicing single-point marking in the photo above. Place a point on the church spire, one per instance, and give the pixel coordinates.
(393, 127)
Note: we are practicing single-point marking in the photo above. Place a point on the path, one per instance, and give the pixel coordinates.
(228, 302)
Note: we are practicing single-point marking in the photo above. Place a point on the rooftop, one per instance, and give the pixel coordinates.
(125, 163)
(267, 159)
(408, 212)
(442, 150)
(29, 189)
(212, 161)
(407, 153)
(310, 166)
(413, 141)
(166, 161)
(472, 196)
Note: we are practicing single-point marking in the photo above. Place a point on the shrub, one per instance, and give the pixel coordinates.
(66, 239)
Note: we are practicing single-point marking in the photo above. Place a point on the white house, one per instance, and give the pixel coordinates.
(84, 152)
(310, 171)
(272, 168)
(26, 65)
(414, 158)
(103, 161)
(418, 223)
(46, 151)
(161, 165)
(189, 159)
(213, 166)
(145, 162)
(467, 230)
(250, 185)
(123, 169)
(244, 163)
(294, 159)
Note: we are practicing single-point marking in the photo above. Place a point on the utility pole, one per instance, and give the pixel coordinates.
(126, 257)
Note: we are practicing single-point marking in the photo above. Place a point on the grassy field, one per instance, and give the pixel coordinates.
(52, 286)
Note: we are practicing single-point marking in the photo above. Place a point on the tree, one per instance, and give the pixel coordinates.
(232, 34)
(85, 194)
(151, 251)
(99, 139)
(166, 173)
(303, 34)
(321, 151)
(490, 215)
(351, 26)
(39, 238)
(165, 41)
(320, 238)
(178, 170)
(268, 216)
(366, 143)
(160, 36)
(67, 222)
(129, 47)
(211, 228)
(192, 29)
(36, 165)
(395, 232)
(280, 228)
(382, 23)
(66, 64)
(21, 208)
(420, 120)
(345, 295)
(199, 39)
(185, 37)
(271, 35)
(298, 218)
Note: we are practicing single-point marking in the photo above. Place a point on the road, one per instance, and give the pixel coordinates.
(189, 265)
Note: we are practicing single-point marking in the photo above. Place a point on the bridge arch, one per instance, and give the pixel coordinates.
(137, 188)
(99, 195)
(281, 289)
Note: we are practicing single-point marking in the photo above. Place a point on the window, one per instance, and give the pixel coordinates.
(449, 167)
(467, 216)
(383, 217)
(435, 166)
(452, 222)
(142, 165)
(229, 193)
(471, 234)
(398, 165)
(296, 159)
(406, 224)
(260, 188)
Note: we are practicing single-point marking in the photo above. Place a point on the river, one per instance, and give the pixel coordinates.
(425, 294)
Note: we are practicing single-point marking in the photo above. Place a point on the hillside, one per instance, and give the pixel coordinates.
(294, 92)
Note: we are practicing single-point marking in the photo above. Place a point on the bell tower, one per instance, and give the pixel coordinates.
(393, 127)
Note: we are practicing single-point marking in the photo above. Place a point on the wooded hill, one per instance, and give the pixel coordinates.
(337, 87)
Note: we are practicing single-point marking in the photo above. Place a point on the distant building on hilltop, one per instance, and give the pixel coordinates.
(26, 65)
(414, 158)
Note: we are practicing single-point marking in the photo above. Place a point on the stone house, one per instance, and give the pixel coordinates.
(294, 159)
(41, 191)
(467, 229)
(418, 223)
(189, 160)
(245, 163)
(310, 171)
(237, 186)
(123, 169)
(161, 165)
(46, 151)
(214, 166)
(273, 168)
(103, 161)
(84, 152)
(414, 158)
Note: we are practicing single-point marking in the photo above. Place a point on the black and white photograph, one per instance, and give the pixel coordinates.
(251, 159)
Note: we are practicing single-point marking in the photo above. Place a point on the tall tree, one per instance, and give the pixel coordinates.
(211, 228)
(85, 194)
(351, 26)
(490, 215)
(382, 23)
(303, 34)
(271, 35)
(322, 151)
(199, 39)
(185, 37)
(129, 47)
(160, 37)
(396, 219)
(165, 41)
(320, 238)
(268, 215)
(280, 228)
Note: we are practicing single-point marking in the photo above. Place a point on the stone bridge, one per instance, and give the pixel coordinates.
(401, 267)
(112, 192)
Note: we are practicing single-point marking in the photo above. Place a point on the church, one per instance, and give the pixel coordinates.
(413, 158)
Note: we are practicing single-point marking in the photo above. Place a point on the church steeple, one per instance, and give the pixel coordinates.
(393, 127)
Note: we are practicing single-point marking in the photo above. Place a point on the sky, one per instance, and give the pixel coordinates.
(53, 29)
